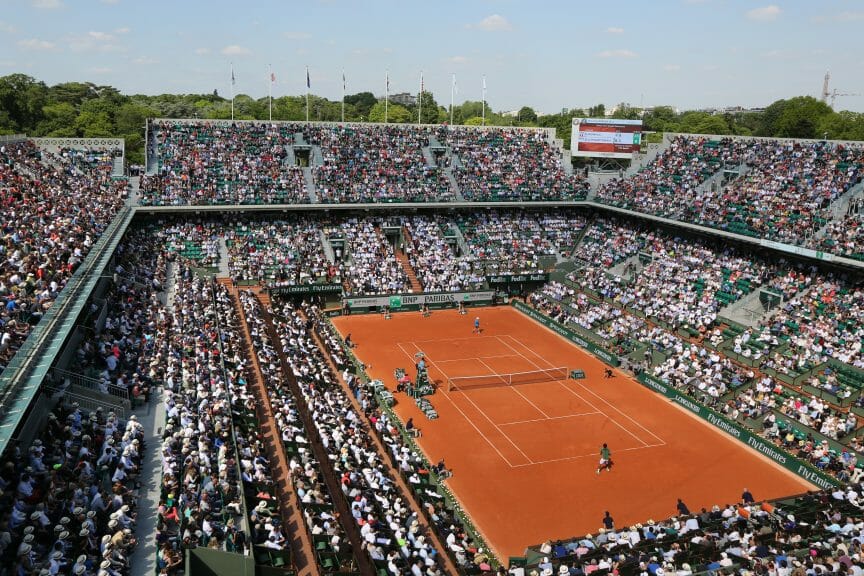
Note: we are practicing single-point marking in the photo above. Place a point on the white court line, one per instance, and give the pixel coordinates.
(624, 414)
(477, 358)
(517, 392)
(570, 389)
(549, 418)
(471, 422)
(449, 340)
(587, 455)
(479, 410)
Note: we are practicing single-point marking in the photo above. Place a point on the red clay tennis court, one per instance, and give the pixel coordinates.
(524, 455)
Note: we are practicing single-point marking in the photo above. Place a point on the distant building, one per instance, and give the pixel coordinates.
(404, 99)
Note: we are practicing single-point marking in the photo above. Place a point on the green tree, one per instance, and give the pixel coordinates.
(598, 111)
(22, 99)
(527, 116)
(74, 93)
(842, 126)
(362, 103)
(130, 117)
(712, 124)
(562, 123)
(396, 114)
(660, 119)
(800, 117)
(429, 109)
(767, 124)
(289, 108)
(59, 120)
(626, 112)
(94, 124)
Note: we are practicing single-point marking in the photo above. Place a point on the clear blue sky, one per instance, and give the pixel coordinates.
(540, 53)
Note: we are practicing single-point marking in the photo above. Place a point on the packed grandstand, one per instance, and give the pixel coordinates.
(724, 269)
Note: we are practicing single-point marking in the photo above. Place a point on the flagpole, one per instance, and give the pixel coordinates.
(232, 91)
(420, 104)
(270, 91)
(343, 96)
(483, 100)
(386, 94)
(307, 93)
(452, 94)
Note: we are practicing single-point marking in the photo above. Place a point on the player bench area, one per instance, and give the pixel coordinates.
(527, 410)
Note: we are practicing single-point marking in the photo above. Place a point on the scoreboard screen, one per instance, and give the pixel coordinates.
(605, 138)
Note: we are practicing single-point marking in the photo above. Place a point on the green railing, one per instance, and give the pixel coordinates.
(21, 379)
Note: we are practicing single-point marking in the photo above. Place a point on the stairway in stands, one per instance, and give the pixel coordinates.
(300, 541)
(259, 291)
(416, 287)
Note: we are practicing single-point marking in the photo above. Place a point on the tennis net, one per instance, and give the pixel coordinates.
(508, 379)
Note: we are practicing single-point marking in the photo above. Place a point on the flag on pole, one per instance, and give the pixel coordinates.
(344, 82)
(270, 92)
(308, 81)
(386, 95)
(453, 90)
(232, 91)
(421, 83)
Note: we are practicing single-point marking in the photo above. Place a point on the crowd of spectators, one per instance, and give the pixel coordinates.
(499, 164)
(669, 183)
(607, 242)
(817, 414)
(54, 207)
(315, 500)
(411, 465)
(197, 242)
(787, 189)
(375, 164)
(372, 267)
(843, 235)
(782, 190)
(816, 533)
(70, 500)
(221, 163)
(201, 491)
(684, 284)
(822, 322)
(253, 163)
(435, 260)
(513, 242)
(389, 529)
(279, 252)
(692, 367)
